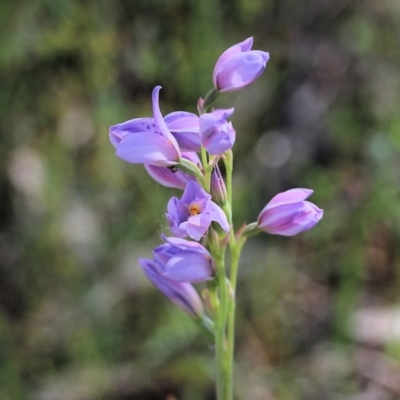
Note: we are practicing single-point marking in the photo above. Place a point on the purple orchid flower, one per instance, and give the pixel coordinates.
(183, 261)
(239, 66)
(146, 140)
(287, 214)
(217, 134)
(174, 179)
(184, 126)
(182, 294)
(193, 213)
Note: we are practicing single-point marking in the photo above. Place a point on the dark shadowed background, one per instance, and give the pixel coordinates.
(318, 314)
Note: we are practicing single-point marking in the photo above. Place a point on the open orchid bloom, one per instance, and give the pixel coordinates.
(146, 140)
(288, 213)
(193, 213)
(217, 134)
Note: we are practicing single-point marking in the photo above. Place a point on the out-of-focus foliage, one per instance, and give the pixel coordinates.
(318, 314)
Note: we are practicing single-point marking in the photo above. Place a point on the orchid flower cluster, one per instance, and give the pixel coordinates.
(183, 150)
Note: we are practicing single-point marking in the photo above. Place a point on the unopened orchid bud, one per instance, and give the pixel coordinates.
(239, 66)
(218, 188)
(288, 213)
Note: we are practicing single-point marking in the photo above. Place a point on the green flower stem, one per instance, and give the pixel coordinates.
(218, 339)
(224, 339)
(192, 169)
(209, 99)
(223, 381)
(207, 170)
(225, 312)
(228, 160)
(225, 329)
(235, 249)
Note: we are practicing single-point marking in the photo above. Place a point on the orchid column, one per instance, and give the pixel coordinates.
(183, 151)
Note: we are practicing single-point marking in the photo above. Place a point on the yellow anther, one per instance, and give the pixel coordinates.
(194, 209)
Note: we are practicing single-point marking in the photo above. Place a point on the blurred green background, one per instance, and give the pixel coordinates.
(318, 314)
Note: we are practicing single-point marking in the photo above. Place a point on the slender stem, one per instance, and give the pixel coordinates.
(225, 330)
(220, 330)
(235, 249)
(207, 169)
(209, 99)
(219, 354)
(228, 160)
(225, 321)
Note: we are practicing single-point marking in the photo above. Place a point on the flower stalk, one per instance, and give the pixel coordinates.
(183, 151)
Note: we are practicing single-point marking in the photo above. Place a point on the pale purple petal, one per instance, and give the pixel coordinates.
(215, 213)
(145, 148)
(240, 70)
(241, 47)
(182, 121)
(183, 244)
(235, 49)
(288, 214)
(239, 66)
(217, 134)
(146, 140)
(290, 196)
(135, 125)
(263, 54)
(303, 221)
(194, 192)
(177, 213)
(197, 226)
(280, 215)
(116, 137)
(207, 123)
(178, 230)
(189, 267)
(222, 141)
(119, 131)
(188, 141)
(181, 293)
(182, 260)
(162, 254)
(168, 178)
(159, 120)
(221, 114)
(174, 179)
(184, 126)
